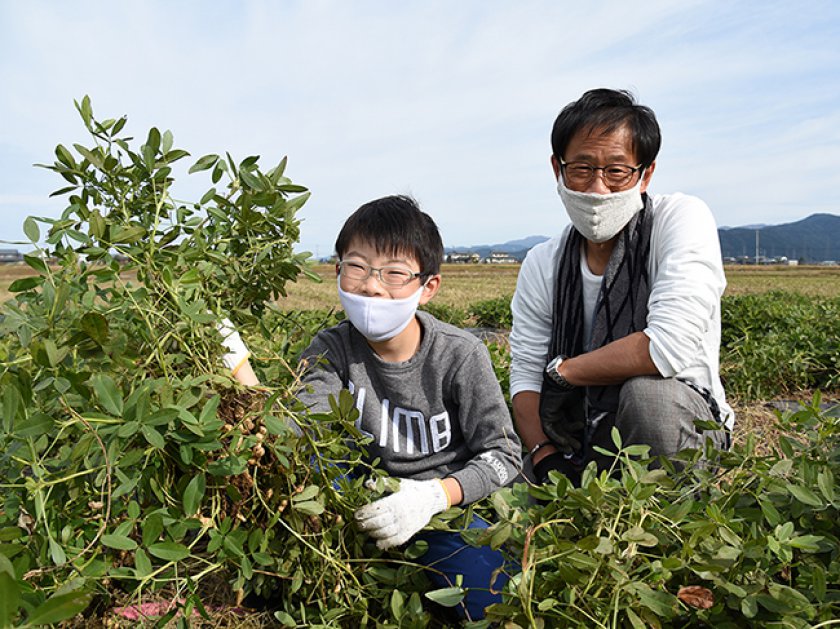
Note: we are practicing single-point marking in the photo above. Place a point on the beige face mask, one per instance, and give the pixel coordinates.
(599, 217)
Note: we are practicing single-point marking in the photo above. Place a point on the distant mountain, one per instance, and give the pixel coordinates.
(813, 239)
(515, 248)
(755, 226)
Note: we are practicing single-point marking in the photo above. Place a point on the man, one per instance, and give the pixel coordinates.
(616, 322)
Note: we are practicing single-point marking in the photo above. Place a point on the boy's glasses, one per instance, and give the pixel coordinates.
(387, 275)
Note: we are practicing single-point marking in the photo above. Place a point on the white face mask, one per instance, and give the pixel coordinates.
(376, 318)
(599, 217)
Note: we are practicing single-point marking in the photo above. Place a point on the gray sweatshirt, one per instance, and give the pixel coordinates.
(440, 413)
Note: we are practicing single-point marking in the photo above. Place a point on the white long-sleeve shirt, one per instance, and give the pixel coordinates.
(686, 284)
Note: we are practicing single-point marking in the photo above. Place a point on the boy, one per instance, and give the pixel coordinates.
(426, 391)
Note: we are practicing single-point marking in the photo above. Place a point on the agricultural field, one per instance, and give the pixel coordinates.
(469, 283)
(135, 474)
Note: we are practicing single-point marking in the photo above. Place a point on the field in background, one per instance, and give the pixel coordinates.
(465, 284)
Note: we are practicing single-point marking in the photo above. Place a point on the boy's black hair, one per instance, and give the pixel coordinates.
(395, 225)
(608, 110)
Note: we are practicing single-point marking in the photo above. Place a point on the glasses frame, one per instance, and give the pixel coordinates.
(378, 271)
(633, 170)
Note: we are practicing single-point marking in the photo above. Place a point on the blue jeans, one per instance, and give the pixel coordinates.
(449, 556)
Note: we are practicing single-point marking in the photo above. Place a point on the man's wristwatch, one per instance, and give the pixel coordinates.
(552, 370)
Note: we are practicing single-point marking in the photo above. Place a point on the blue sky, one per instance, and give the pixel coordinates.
(451, 102)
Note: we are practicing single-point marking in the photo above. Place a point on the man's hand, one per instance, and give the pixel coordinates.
(395, 519)
(563, 417)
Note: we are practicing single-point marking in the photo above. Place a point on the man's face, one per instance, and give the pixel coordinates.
(598, 148)
(361, 256)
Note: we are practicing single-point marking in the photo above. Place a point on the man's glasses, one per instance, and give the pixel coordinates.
(581, 174)
(387, 275)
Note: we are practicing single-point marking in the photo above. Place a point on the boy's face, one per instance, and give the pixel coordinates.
(399, 279)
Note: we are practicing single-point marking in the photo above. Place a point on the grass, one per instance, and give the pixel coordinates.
(465, 284)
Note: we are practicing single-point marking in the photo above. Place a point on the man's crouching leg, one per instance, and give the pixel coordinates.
(660, 413)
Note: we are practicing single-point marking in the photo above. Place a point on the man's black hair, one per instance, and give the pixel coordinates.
(395, 225)
(606, 110)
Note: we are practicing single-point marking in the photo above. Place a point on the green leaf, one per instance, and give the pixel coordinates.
(634, 619)
(97, 224)
(166, 144)
(142, 563)
(85, 109)
(310, 507)
(251, 180)
(639, 536)
(448, 597)
(285, 619)
(128, 234)
(805, 495)
(64, 156)
(152, 529)
(91, 156)
(60, 607)
(25, 283)
(153, 141)
(169, 551)
(36, 425)
(128, 429)
(193, 494)
(12, 405)
(95, 326)
(397, 604)
(208, 196)
(61, 191)
(107, 393)
(661, 603)
(154, 438)
(120, 542)
(307, 494)
(808, 543)
(501, 535)
(57, 553)
(9, 599)
(30, 228)
(36, 262)
(274, 426)
(616, 437)
(233, 546)
(52, 352)
(825, 481)
(209, 412)
(771, 514)
(204, 163)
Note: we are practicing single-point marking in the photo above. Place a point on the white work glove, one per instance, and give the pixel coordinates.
(237, 353)
(395, 519)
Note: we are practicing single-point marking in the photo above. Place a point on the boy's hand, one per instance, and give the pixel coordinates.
(237, 352)
(395, 519)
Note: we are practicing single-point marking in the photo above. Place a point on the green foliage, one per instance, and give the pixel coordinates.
(446, 313)
(772, 344)
(131, 464)
(777, 343)
(755, 539)
(492, 313)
